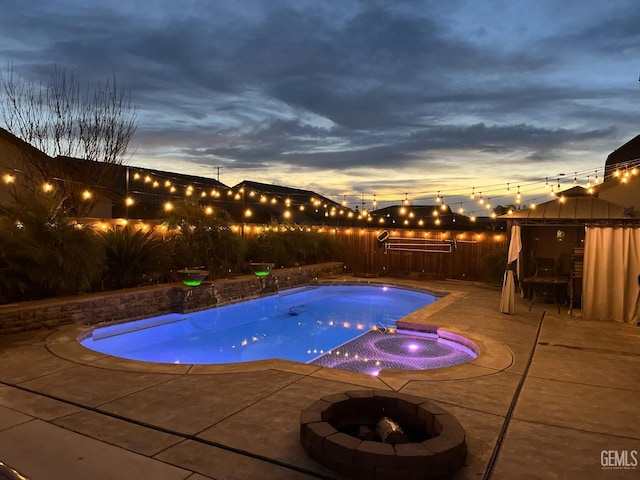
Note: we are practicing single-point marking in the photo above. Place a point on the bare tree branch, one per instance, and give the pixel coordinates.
(62, 119)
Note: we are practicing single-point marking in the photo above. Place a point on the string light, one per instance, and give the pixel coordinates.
(624, 172)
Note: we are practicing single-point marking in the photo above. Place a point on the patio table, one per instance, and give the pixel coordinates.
(546, 286)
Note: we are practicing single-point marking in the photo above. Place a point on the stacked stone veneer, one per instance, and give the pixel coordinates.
(438, 457)
(136, 303)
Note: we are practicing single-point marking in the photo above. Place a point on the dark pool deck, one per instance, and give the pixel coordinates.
(548, 394)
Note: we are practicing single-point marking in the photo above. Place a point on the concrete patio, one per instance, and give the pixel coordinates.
(548, 394)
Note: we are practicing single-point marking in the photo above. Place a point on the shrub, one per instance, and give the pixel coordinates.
(43, 253)
(133, 257)
(290, 246)
(493, 267)
(204, 239)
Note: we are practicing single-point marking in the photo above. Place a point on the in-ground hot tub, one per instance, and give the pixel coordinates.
(435, 446)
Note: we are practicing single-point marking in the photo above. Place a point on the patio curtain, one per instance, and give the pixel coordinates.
(507, 299)
(611, 269)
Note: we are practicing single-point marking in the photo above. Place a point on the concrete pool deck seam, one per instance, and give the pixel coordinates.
(512, 407)
(157, 428)
(581, 430)
(585, 384)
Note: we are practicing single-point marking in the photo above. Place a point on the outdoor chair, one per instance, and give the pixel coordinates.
(545, 282)
(544, 267)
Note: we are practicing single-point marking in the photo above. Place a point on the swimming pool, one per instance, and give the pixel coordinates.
(301, 324)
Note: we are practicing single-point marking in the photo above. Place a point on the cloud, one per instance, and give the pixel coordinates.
(348, 86)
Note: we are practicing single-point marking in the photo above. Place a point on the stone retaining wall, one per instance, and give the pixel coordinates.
(142, 302)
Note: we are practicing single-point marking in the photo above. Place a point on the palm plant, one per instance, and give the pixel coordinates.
(132, 257)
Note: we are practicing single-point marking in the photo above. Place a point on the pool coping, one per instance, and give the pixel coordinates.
(493, 356)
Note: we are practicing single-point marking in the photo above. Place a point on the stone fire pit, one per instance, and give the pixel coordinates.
(435, 445)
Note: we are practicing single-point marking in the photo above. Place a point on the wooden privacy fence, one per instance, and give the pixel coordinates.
(431, 254)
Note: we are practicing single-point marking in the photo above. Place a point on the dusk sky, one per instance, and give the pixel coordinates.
(353, 97)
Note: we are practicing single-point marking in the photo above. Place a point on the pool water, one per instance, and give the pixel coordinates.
(300, 324)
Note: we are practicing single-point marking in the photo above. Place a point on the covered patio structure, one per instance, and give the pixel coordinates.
(591, 245)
